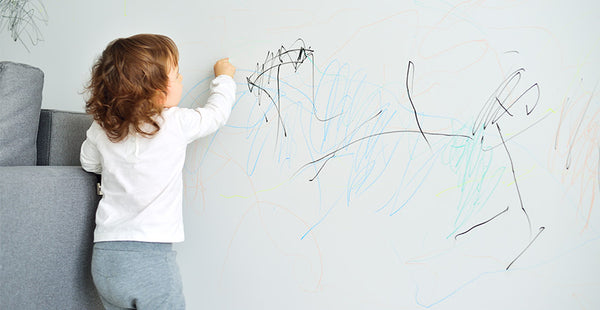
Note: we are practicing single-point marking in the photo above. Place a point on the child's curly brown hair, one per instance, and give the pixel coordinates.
(129, 84)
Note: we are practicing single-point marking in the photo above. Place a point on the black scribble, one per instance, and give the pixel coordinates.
(518, 133)
(537, 100)
(293, 56)
(410, 74)
(527, 247)
(347, 142)
(322, 166)
(21, 18)
(500, 104)
(509, 101)
(328, 155)
(482, 223)
(512, 167)
(495, 107)
(345, 138)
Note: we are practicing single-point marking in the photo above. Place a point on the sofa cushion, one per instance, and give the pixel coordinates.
(60, 137)
(46, 238)
(20, 103)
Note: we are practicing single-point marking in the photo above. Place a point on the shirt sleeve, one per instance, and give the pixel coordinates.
(90, 156)
(203, 121)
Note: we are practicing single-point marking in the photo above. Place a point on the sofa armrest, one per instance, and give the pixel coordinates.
(46, 235)
(60, 136)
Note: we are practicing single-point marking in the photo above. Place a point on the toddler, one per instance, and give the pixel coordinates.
(137, 142)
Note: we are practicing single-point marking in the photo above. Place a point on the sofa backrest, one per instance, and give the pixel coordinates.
(20, 101)
(60, 136)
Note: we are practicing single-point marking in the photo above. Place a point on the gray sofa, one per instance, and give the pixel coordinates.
(47, 201)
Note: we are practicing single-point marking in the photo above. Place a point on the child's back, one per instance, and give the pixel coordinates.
(138, 144)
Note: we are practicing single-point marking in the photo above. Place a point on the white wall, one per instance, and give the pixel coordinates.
(377, 227)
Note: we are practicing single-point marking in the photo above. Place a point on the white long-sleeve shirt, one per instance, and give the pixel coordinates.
(142, 177)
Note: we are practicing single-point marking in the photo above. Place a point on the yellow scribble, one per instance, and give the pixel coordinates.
(235, 196)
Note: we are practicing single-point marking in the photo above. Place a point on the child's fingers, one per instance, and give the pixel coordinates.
(223, 66)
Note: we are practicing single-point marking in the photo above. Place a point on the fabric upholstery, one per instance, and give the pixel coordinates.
(20, 101)
(46, 212)
(60, 136)
(46, 234)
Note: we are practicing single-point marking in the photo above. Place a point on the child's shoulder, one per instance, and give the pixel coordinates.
(94, 128)
(174, 111)
(178, 114)
(95, 133)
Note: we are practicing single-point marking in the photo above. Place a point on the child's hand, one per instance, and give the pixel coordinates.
(224, 67)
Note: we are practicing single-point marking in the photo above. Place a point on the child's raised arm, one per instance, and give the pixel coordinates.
(205, 120)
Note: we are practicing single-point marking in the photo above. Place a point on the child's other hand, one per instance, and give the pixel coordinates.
(223, 66)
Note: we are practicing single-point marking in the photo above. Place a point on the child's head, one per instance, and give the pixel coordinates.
(130, 84)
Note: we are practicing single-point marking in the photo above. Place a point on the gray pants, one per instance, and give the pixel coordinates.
(137, 275)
